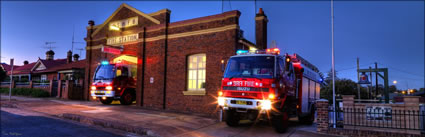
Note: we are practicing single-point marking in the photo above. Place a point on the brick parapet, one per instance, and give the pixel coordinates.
(322, 115)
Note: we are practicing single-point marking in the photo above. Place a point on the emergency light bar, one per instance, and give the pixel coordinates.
(104, 63)
(274, 51)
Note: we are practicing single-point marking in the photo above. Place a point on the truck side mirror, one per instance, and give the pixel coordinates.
(222, 65)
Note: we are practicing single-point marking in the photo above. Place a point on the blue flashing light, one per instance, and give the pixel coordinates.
(320, 80)
(105, 63)
(241, 51)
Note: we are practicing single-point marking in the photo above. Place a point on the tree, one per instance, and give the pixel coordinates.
(2, 74)
(392, 89)
(328, 78)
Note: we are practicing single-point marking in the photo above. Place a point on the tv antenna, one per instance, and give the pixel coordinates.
(49, 45)
(80, 49)
(72, 43)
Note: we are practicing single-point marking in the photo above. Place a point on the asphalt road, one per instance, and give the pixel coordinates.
(27, 125)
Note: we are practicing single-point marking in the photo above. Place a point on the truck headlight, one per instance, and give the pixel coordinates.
(108, 87)
(266, 104)
(221, 101)
(93, 87)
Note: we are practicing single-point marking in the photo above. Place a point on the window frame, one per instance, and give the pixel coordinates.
(196, 69)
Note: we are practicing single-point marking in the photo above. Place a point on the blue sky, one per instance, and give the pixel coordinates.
(388, 32)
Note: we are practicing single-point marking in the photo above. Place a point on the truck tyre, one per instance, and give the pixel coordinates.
(126, 98)
(281, 122)
(232, 119)
(107, 101)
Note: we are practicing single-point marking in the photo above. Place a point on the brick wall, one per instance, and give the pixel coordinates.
(359, 119)
(322, 115)
(162, 51)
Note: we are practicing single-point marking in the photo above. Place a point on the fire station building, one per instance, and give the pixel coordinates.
(178, 63)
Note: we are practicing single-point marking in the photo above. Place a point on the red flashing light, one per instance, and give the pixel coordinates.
(273, 51)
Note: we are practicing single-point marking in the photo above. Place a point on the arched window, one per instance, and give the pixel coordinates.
(196, 72)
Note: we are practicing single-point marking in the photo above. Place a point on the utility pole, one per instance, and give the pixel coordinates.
(358, 79)
(371, 79)
(376, 79)
(333, 65)
(11, 79)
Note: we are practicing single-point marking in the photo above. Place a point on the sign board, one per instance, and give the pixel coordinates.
(112, 50)
(363, 79)
(379, 113)
(133, 21)
(122, 39)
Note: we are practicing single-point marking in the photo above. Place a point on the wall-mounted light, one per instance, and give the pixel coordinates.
(112, 27)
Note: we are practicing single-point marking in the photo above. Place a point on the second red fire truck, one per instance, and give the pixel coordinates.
(114, 81)
(266, 85)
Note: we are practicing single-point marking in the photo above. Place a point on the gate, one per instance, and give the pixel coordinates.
(54, 88)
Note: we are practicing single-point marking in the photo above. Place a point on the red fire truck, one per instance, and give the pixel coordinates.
(114, 82)
(263, 85)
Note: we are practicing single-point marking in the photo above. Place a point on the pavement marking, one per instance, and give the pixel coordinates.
(155, 115)
(97, 111)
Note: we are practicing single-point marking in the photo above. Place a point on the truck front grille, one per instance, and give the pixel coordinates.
(247, 89)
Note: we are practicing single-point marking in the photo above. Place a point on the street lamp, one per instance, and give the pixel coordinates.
(395, 82)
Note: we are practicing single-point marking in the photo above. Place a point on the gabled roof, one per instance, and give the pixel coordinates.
(7, 67)
(67, 66)
(25, 69)
(99, 27)
(48, 64)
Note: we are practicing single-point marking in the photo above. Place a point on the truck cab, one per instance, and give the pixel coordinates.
(114, 82)
(258, 85)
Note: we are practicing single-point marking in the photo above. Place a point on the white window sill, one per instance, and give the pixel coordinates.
(195, 93)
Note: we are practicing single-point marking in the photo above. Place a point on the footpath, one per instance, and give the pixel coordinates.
(146, 122)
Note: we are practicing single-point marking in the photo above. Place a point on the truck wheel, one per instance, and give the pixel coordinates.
(232, 119)
(280, 122)
(106, 101)
(126, 98)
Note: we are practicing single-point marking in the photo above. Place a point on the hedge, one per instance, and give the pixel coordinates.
(34, 92)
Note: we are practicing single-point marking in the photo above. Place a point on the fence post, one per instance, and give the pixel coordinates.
(322, 115)
(51, 87)
(31, 86)
(59, 95)
(13, 84)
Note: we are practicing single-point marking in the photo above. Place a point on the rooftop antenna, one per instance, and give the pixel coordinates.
(49, 45)
(72, 44)
(273, 44)
(80, 49)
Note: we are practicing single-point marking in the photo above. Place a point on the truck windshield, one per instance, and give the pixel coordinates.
(250, 67)
(104, 72)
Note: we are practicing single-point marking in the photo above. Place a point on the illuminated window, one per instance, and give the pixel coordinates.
(196, 72)
(43, 77)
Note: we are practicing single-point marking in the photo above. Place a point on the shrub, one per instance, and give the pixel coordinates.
(26, 92)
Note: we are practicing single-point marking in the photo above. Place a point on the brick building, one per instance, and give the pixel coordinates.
(178, 63)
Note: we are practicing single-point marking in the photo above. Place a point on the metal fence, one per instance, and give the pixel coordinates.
(40, 84)
(378, 117)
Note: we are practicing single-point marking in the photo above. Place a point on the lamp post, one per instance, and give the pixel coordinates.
(395, 82)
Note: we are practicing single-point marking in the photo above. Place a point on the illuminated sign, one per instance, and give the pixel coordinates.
(111, 50)
(122, 39)
(125, 22)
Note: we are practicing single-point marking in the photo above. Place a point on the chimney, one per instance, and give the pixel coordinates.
(50, 55)
(26, 62)
(76, 56)
(261, 29)
(69, 56)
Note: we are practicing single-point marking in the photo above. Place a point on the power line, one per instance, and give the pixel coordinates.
(402, 70)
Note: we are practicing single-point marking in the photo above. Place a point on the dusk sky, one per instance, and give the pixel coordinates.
(388, 32)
